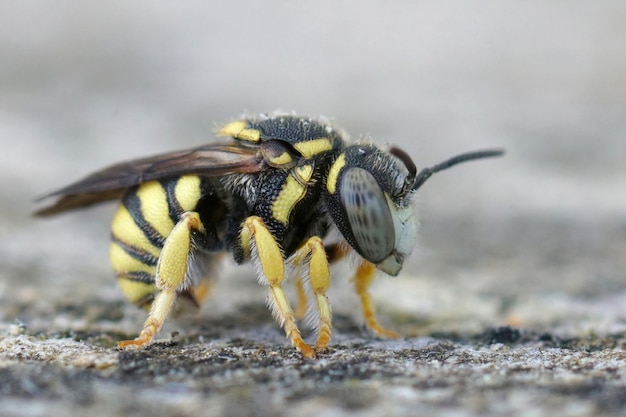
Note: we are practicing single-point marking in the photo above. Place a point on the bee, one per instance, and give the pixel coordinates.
(275, 191)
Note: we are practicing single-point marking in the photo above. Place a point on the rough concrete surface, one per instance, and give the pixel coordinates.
(514, 302)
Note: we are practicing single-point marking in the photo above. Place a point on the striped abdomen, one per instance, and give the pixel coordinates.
(143, 221)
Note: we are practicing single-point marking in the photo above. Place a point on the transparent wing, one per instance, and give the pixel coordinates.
(110, 183)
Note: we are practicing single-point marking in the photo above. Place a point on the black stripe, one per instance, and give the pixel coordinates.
(137, 276)
(133, 205)
(174, 208)
(141, 255)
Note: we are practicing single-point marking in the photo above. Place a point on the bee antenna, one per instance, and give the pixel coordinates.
(426, 173)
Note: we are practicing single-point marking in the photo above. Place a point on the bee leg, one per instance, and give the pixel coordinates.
(193, 296)
(301, 305)
(170, 274)
(334, 252)
(319, 279)
(206, 264)
(362, 280)
(200, 292)
(254, 234)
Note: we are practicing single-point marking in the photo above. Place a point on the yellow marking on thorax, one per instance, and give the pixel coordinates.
(314, 147)
(331, 181)
(124, 227)
(304, 172)
(291, 193)
(232, 129)
(188, 192)
(240, 130)
(123, 262)
(282, 159)
(154, 207)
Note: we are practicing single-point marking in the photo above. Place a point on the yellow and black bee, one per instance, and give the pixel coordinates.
(272, 192)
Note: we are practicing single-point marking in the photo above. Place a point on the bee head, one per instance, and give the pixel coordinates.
(369, 197)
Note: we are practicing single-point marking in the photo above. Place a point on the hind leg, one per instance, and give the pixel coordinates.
(171, 270)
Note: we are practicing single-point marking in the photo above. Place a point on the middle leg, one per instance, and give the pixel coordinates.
(319, 280)
(257, 241)
(170, 275)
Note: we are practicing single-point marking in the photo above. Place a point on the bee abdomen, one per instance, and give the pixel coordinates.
(141, 225)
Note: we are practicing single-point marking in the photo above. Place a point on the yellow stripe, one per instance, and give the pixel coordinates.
(125, 227)
(239, 130)
(331, 182)
(188, 192)
(154, 207)
(232, 129)
(313, 147)
(136, 291)
(123, 262)
(250, 135)
(304, 173)
(282, 159)
(291, 193)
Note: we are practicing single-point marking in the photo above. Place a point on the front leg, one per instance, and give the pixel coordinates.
(362, 280)
(257, 242)
(170, 274)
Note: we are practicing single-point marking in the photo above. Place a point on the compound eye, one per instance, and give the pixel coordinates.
(368, 214)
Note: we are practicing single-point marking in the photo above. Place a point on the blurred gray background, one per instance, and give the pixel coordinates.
(535, 239)
(83, 85)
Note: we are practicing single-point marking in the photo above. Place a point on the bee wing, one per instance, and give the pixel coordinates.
(111, 183)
